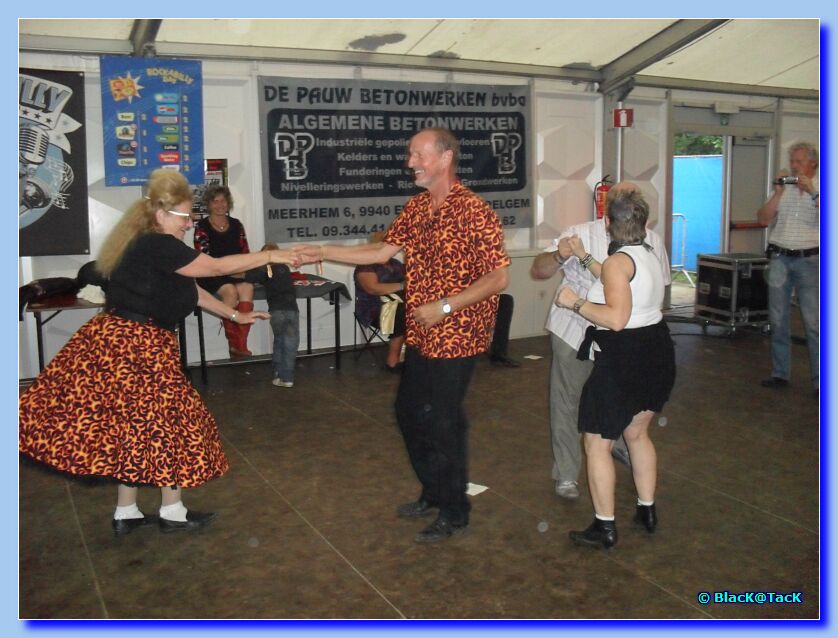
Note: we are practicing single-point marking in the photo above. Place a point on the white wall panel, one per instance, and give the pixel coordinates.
(798, 127)
(532, 298)
(567, 161)
(645, 160)
(567, 140)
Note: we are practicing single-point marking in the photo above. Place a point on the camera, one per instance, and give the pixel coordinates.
(786, 179)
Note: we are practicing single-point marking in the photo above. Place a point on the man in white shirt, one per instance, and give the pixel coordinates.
(568, 374)
(793, 213)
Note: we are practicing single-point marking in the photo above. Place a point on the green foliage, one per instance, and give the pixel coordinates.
(689, 144)
(678, 277)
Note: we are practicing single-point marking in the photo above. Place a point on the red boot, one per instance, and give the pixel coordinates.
(244, 328)
(231, 331)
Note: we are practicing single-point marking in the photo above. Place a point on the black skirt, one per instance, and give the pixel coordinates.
(212, 284)
(633, 371)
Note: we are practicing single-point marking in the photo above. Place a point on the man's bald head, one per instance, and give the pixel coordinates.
(621, 187)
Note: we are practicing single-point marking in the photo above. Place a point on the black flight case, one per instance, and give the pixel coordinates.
(732, 291)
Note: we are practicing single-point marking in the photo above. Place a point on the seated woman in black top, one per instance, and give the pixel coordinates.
(114, 402)
(219, 235)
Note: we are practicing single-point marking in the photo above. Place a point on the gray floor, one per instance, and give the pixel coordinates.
(307, 526)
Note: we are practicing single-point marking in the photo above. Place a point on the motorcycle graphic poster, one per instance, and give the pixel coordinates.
(52, 164)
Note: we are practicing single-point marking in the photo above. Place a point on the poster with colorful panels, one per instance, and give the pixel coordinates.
(152, 118)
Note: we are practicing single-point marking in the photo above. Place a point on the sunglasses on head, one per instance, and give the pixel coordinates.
(179, 214)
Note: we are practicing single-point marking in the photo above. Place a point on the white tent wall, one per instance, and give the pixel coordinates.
(645, 159)
(566, 145)
(797, 125)
(567, 142)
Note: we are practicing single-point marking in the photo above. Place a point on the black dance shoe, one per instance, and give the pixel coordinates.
(599, 534)
(194, 520)
(647, 517)
(501, 360)
(415, 509)
(439, 530)
(774, 383)
(125, 526)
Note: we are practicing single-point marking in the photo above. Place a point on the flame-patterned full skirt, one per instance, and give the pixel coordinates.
(115, 403)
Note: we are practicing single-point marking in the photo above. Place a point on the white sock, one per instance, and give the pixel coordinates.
(645, 503)
(129, 511)
(604, 518)
(173, 512)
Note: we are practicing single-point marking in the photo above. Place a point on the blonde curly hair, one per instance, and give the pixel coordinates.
(166, 189)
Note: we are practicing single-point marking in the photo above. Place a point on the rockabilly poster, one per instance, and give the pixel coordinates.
(52, 164)
(152, 114)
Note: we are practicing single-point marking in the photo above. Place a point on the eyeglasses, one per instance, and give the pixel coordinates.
(178, 213)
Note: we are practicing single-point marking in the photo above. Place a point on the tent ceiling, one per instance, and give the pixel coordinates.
(779, 57)
(783, 53)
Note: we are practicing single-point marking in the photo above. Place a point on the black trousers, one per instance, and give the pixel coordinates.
(429, 410)
(399, 323)
(500, 338)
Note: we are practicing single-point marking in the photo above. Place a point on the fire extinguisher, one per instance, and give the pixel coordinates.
(600, 194)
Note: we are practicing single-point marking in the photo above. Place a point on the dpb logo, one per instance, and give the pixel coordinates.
(504, 146)
(291, 149)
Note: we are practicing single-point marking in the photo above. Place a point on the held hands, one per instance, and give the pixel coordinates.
(307, 253)
(571, 246)
(288, 257)
(576, 246)
(565, 250)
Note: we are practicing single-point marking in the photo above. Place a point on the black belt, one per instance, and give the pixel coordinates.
(584, 352)
(773, 249)
(139, 318)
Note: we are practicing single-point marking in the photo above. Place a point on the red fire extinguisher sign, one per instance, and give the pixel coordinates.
(623, 118)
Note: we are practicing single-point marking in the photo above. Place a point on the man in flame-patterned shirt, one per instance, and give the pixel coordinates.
(456, 264)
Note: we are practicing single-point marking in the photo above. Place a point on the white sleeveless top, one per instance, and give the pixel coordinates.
(647, 288)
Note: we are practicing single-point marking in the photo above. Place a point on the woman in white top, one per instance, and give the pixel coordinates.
(634, 364)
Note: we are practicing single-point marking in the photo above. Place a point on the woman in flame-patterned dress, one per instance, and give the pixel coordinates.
(114, 402)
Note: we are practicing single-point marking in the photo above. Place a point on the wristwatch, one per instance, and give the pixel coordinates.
(446, 306)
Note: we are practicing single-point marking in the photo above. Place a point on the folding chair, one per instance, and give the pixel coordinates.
(369, 332)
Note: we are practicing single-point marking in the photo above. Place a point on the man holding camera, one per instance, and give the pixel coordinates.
(793, 214)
